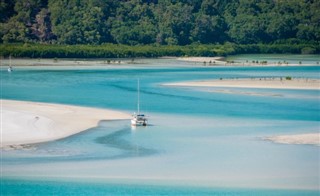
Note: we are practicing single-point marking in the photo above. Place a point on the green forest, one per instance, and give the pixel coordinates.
(186, 27)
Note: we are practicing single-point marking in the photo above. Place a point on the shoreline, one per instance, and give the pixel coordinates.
(308, 138)
(211, 60)
(223, 62)
(25, 122)
(216, 61)
(266, 83)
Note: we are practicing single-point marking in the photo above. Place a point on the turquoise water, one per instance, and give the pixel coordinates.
(199, 138)
(29, 187)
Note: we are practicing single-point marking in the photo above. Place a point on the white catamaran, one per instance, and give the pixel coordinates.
(137, 118)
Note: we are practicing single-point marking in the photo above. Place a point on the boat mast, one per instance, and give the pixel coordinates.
(138, 96)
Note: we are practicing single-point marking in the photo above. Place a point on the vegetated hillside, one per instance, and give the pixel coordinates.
(161, 22)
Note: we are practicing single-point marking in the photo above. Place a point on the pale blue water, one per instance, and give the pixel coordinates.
(200, 139)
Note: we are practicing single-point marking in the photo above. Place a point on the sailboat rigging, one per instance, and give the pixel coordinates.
(138, 119)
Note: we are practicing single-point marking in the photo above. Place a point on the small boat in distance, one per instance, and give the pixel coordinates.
(9, 69)
(10, 66)
(137, 118)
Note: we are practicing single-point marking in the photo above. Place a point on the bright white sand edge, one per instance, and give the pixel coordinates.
(212, 61)
(202, 59)
(25, 122)
(275, 83)
(309, 138)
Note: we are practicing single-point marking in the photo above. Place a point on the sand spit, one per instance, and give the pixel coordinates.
(309, 138)
(272, 83)
(25, 122)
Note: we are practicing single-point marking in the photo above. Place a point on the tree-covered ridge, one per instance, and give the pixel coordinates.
(161, 22)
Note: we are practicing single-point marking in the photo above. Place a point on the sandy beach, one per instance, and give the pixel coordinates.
(272, 83)
(80, 63)
(32, 122)
(310, 138)
(218, 61)
(213, 60)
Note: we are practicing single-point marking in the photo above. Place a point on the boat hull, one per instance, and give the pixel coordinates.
(135, 122)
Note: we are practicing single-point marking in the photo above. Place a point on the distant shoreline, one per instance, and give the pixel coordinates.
(217, 61)
(211, 60)
(272, 83)
(25, 122)
(221, 61)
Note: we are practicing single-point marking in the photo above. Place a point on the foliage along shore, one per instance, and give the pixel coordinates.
(125, 51)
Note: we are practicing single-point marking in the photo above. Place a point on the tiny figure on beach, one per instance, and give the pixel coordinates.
(10, 69)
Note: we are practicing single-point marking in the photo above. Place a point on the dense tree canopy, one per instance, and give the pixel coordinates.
(163, 22)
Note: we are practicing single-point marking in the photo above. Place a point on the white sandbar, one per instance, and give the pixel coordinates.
(274, 83)
(212, 61)
(309, 138)
(25, 122)
(202, 59)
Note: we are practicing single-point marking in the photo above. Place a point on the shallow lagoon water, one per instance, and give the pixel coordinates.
(200, 137)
